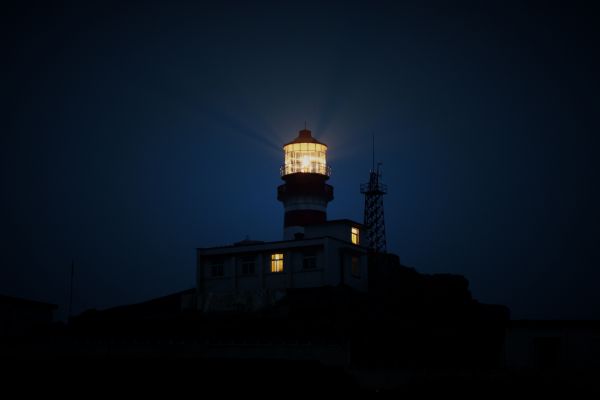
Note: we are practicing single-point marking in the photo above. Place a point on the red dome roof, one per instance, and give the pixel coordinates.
(304, 136)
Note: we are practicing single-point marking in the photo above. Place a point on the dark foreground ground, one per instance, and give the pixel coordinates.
(202, 377)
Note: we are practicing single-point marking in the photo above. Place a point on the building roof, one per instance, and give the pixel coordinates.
(304, 136)
(248, 242)
(340, 222)
(240, 246)
(554, 324)
(159, 306)
(279, 243)
(19, 302)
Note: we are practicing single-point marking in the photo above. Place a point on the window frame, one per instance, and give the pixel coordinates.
(277, 263)
(355, 235)
(355, 265)
(217, 268)
(248, 265)
(309, 256)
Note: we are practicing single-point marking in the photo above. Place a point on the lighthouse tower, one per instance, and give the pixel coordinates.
(304, 194)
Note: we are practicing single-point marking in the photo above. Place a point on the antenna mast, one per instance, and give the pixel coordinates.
(373, 167)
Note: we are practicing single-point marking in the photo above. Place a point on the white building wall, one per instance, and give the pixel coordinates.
(333, 267)
(249, 282)
(309, 278)
(339, 230)
(360, 280)
(290, 232)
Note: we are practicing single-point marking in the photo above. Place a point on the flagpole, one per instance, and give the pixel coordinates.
(71, 289)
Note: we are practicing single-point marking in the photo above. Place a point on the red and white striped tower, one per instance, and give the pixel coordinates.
(304, 194)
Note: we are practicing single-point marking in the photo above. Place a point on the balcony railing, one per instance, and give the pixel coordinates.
(313, 168)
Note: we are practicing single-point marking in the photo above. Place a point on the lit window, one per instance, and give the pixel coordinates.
(355, 236)
(355, 266)
(277, 262)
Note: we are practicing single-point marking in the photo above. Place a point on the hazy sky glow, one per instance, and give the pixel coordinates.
(135, 133)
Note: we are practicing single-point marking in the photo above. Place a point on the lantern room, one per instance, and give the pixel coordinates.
(305, 155)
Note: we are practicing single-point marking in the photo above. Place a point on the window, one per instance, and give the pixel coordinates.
(355, 266)
(217, 269)
(355, 236)
(248, 265)
(277, 262)
(310, 261)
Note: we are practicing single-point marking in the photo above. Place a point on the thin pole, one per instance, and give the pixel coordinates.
(71, 288)
(373, 167)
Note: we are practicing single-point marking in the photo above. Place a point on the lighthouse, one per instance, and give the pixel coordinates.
(305, 193)
(315, 252)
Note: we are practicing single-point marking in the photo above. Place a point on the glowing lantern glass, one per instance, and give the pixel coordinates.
(308, 158)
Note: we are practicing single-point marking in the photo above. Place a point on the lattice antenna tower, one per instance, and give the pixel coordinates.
(374, 218)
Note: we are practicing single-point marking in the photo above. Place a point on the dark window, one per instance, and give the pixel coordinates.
(546, 352)
(310, 261)
(356, 266)
(248, 265)
(217, 269)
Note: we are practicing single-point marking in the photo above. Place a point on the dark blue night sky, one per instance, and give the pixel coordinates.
(134, 133)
